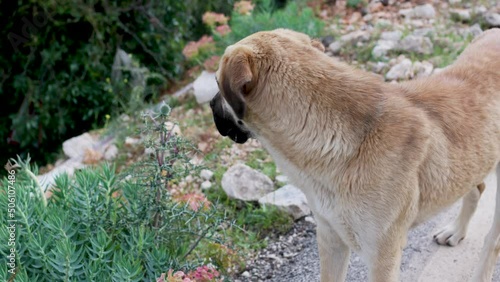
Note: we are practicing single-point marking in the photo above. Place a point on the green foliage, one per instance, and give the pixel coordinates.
(292, 16)
(103, 226)
(53, 81)
(354, 3)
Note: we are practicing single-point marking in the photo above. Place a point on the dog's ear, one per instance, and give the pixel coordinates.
(237, 80)
(318, 45)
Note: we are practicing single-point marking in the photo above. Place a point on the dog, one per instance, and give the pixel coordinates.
(374, 159)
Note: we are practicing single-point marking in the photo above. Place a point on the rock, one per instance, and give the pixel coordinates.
(454, 1)
(356, 16)
(170, 126)
(391, 35)
(355, 37)
(426, 11)
(244, 183)
(378, 67)
(426, 31)
(382, 47)
(422, 69)
(205, 185)
(327, 40)
(479, 10)
(335, 47)
(111, 152)
(282, 178)
(492, 19)
(289, 199)
(474, 30)
(76, 147)
(47, 180)
(130, 141)
(205, 87)
(310, 219)
(401, 70)
(460, 14)
(206, 174)
(418, 44)
(246, 274)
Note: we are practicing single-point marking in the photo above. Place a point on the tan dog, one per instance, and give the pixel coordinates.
(374, 159)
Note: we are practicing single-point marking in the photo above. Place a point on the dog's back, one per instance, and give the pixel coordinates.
(462, 103)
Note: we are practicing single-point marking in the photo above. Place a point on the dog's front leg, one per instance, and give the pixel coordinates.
(384, 265)
(333, 253)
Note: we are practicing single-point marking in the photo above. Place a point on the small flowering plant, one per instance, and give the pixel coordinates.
(206, 273)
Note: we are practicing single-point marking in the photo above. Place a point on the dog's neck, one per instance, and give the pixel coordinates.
(327, 112)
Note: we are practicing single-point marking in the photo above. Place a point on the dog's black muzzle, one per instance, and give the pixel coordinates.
(225, 123)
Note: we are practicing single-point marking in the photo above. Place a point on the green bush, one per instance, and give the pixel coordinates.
(103, 226)
(54, 82)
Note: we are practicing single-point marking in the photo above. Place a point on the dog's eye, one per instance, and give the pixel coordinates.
(240, 122)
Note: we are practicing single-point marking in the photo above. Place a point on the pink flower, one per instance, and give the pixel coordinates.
(244, 7)
(212, 19)
(223, 29)
(193, 48)
(194, 200)
(212, 64)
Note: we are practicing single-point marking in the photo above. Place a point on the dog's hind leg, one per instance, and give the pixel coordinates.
(454, 232)
(491, 247)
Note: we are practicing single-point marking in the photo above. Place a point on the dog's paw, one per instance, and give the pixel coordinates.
(451, 235)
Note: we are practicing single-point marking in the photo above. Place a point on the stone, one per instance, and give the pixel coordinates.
(426, 31)
(401, 70)
(454, 1)
(327, 40)
(355, 37)
(426, 11)
(289, 199)
(422, 69)
(130, 141)
(460, 14)
(378, 67)
(383, 47)
(474, 30)
(418, 44)
(205, 87)
(76, 147)
(111, 152)
(492, 19)
(356, 16)
(244, 183)
(335, 47)
(391, 35)
(206, 174)
(282, 178)
(246, 274)
(205, 185)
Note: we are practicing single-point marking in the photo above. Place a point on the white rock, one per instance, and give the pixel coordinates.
(426, 31)
(111, 152)
(246, 274)
(244, 183)
(391, 35)
(401, 70)
(206, 185)
(282, 178)
(422, 69)
(382, 47)
(77, 146)
(492, 19)
(460, 14)
(355, 37)
(335, 47)
(479, 10)
(130, 141)
(205, 87)
(474, 30)
(206, 174)
(378, 67)
(424, 11)
(289, 199)
(47, 180)
(310, 219)
(454, 1)
(418, 44)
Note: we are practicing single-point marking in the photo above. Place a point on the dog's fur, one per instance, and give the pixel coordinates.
(373, 158)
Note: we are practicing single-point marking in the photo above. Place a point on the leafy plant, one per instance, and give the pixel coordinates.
(103, 226)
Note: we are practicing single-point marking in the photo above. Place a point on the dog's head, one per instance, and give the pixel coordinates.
(242, 78)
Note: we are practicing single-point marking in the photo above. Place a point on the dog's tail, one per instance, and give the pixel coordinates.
(491, 248)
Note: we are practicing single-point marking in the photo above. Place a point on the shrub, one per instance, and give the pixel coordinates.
(53, 85)
(103, 226)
